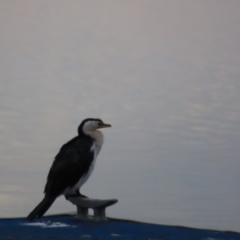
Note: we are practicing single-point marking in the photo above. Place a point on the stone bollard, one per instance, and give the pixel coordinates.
(98, 206)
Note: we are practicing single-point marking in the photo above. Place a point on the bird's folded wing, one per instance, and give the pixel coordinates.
(72, 162)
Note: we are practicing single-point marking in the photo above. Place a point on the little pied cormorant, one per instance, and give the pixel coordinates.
(73, 165)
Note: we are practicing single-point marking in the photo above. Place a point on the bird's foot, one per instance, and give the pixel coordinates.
(82, 196)
(78, 194)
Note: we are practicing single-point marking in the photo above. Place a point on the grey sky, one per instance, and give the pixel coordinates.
(165, 74)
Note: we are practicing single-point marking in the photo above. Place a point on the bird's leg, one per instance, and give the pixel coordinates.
(77, 194)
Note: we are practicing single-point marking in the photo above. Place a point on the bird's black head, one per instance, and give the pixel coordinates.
(91, 124)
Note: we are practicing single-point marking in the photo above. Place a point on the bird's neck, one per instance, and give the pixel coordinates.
(97, 136)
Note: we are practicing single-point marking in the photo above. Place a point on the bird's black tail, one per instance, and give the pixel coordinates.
(41, 208)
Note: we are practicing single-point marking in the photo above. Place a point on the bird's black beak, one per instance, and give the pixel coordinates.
(104, 125)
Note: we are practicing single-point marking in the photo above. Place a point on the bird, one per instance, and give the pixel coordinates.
(72, 166)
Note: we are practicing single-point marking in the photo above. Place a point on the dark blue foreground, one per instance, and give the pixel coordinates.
(66, 227)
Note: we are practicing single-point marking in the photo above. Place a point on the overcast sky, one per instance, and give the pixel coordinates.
(165, 74)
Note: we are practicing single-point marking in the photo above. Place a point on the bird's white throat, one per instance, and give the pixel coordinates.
(98, 139)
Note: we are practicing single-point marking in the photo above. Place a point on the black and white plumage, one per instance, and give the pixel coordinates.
(73, 165)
